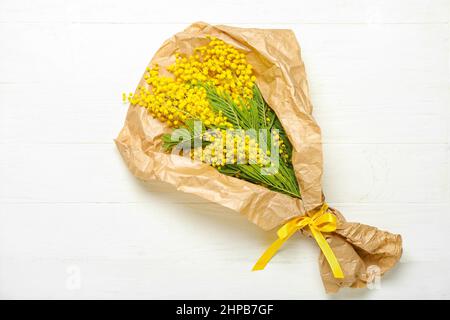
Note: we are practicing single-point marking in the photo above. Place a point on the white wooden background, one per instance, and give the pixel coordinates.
(74, 223)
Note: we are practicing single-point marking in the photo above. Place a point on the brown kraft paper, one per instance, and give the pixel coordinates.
(281, 77)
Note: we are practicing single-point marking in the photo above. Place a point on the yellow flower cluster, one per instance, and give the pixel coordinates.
(220, 64)
(230, 147)
(175, 99)
(281, 146)
(174, 102)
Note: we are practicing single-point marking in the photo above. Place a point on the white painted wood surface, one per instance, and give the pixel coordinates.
(70, 210)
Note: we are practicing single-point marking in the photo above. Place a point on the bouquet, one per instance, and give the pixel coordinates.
(225, 113)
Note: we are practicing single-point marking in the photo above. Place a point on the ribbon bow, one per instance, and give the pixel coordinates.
(321, 221)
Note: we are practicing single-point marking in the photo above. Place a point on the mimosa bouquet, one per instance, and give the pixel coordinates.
(224, 113)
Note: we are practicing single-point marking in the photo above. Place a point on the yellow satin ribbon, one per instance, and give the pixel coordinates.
(321, 221)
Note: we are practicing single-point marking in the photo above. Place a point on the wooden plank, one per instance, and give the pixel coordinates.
(403, 99)
(248, 12)
(361, 173)
(129, 250)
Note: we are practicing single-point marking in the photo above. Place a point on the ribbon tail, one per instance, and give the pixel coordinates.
(328, 253)
(271, 251)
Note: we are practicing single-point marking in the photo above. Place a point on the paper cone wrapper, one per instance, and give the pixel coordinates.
(280, 72)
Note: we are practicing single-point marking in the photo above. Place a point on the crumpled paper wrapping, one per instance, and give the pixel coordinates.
(281, 77)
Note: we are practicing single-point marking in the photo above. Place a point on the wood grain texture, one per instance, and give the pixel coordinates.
(379, 80)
